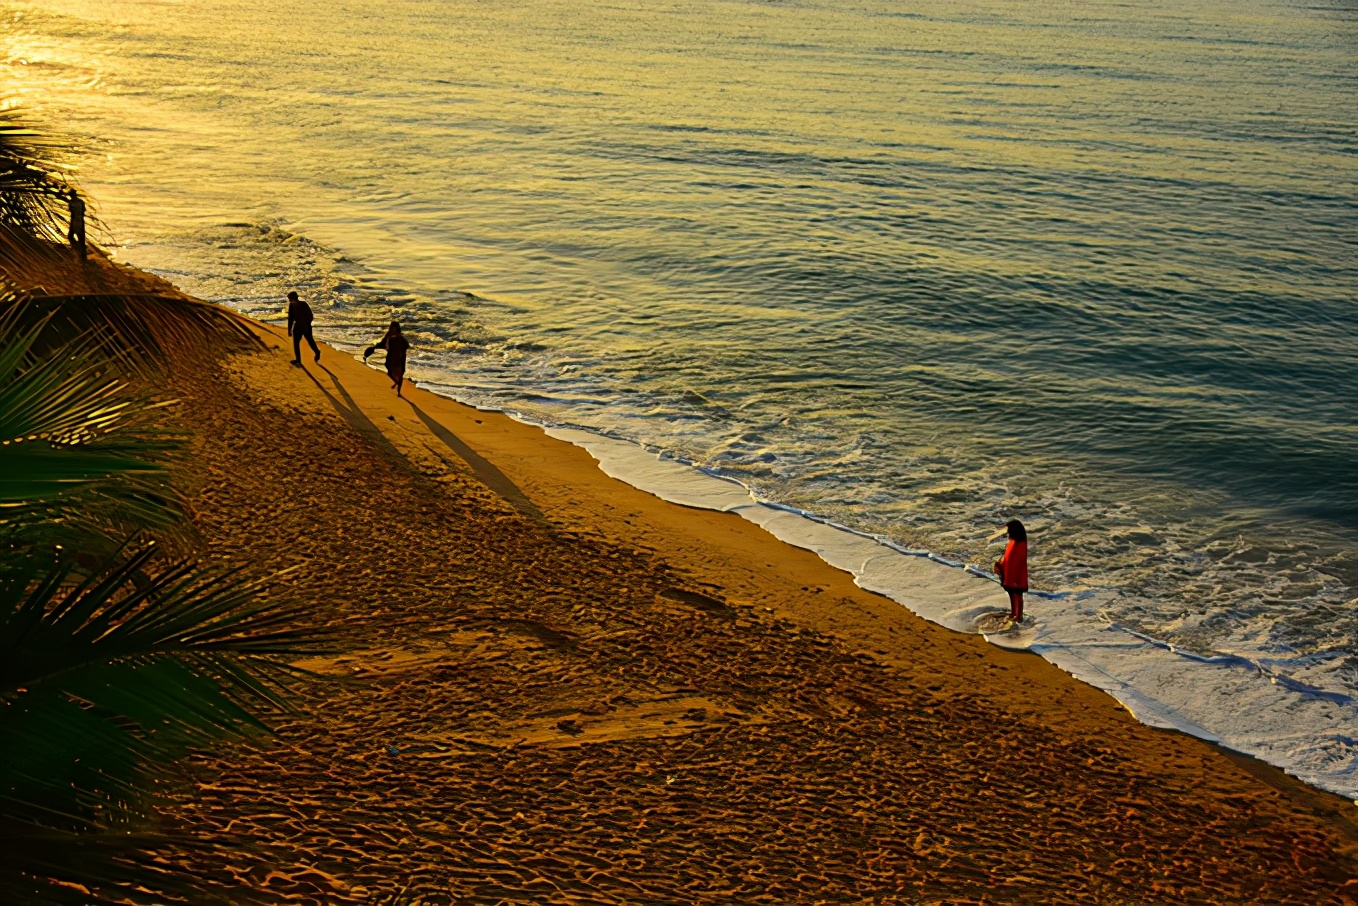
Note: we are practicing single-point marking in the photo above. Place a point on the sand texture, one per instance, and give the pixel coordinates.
(555, 688)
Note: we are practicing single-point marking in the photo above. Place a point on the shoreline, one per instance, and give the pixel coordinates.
(501, 444)
(560, 687)
(946, 593)
(726, 501)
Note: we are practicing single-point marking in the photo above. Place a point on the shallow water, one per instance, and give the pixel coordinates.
(915, 268)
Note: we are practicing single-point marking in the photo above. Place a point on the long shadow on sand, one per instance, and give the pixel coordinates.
(351, 413)
(490, 476)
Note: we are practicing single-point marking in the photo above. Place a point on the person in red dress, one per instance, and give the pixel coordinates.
(396, 346)
(1012, 568)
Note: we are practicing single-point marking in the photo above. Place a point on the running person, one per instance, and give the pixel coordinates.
(396, 345)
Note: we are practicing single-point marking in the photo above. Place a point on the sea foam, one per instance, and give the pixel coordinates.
(1231, 700)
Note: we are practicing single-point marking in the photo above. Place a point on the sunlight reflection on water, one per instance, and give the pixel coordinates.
(918, 272)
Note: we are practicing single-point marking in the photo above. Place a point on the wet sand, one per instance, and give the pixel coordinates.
(556, 688)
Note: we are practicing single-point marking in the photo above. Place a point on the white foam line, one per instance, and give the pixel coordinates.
(1313, 737)
(1309, 736)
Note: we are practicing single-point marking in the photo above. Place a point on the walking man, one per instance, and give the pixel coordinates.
(76, 234)
(299, 326)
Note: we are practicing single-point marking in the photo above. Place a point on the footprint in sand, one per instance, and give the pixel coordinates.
(999, 630)
(993, 622)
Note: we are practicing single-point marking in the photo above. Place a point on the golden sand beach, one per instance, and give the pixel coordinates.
(553, 687)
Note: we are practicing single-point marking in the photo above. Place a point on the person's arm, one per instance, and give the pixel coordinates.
(292, 316)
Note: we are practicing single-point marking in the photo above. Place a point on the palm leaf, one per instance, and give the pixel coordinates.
(33, 215)
(148, 331)
(30, 177)
(75, 443)
(43, 867)
(57, 628)
(39, 471)
(65, 397)
(107, 678)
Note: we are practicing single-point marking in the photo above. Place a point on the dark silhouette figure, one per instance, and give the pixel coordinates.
(396, 345)
(1012, 568)
(299, 326)
(75, 234)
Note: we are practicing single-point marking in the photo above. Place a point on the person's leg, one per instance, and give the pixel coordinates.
(297, 344)
(311, 341)
(1016, 606)
(400, 379)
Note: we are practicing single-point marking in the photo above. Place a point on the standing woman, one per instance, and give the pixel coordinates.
(1012, 568)
(396, 345)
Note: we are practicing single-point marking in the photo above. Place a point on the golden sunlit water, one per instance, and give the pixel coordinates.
(915, 267)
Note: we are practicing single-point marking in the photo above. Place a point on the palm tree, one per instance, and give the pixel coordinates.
(112, 665)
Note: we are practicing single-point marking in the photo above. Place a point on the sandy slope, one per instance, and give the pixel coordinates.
(559, 689)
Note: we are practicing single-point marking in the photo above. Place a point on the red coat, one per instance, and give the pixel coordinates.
(1012, 568)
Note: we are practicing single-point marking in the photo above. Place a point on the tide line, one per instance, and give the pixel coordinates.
(1227, 700)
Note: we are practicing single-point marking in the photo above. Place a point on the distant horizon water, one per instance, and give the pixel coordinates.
(912, 269)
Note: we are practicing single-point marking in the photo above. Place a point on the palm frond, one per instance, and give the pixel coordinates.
(75, 440)
(107, 678)
(33, 213)
(104, 676)
(149, 331)
(88, 518)
(68, 767)
(65, 397)
(30, 178)
(44, 867)
(54, 625)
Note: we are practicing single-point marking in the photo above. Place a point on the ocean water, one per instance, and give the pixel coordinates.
(910, 268)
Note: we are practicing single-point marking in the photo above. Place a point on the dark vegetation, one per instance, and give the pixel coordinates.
(118, 655)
